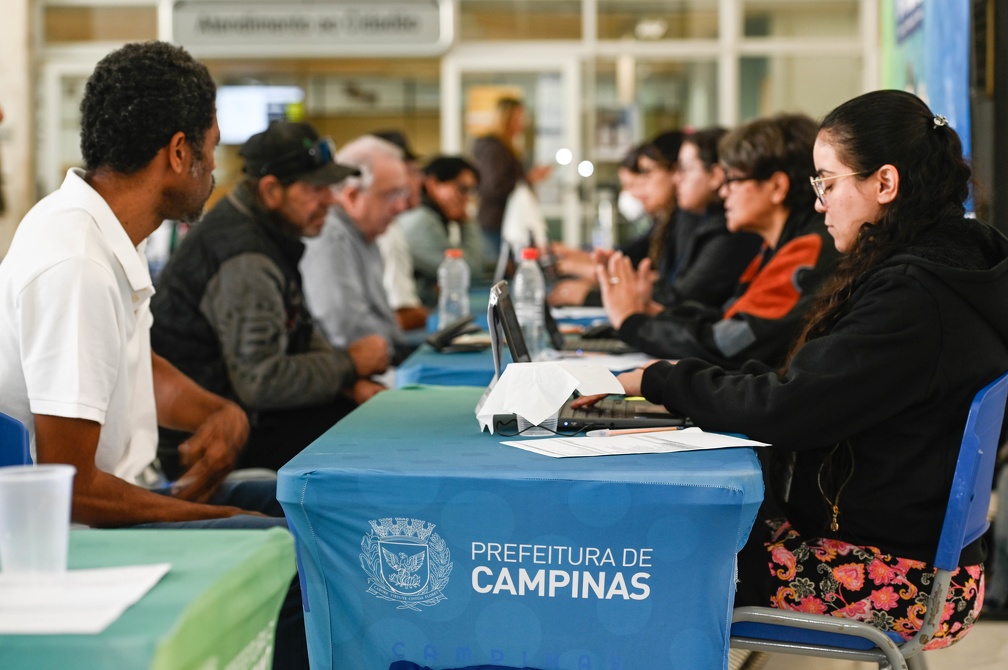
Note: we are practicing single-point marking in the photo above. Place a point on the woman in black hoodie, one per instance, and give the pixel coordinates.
(868, 411)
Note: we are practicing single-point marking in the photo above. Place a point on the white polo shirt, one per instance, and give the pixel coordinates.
(75, 326)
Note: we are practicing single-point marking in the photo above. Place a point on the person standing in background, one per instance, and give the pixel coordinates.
(498, 157)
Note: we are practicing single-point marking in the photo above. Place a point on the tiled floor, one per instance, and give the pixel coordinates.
(985, 648)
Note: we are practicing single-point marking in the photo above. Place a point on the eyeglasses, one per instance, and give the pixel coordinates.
(394, 196)
(465, 190)
(302, 160)
(817, 184)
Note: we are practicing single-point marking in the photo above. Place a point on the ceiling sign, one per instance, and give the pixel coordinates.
(292, 28)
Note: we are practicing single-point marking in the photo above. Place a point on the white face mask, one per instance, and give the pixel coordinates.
(630, 207)
(472, 207)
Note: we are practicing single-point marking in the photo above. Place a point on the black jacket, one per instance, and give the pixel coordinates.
(229, 312)
(762, 319)
(500, 171)
(886, 392)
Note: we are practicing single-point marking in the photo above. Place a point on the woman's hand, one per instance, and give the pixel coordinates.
(570, 292)
(631, 382)
(619, 284)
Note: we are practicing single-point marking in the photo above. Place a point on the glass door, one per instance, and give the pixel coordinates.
(548, 83)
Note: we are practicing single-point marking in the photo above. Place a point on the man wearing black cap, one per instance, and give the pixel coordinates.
(230, 312)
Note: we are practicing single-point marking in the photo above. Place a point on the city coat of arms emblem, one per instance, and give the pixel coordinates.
(406, 562)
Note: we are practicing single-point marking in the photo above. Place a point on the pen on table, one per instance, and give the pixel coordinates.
(605, 432)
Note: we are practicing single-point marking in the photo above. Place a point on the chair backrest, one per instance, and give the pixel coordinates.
(14, 448)
(966, 515)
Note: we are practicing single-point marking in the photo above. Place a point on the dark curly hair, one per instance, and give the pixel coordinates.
(895, 128)
(137, 98)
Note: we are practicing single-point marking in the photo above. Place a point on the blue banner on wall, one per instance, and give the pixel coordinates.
(928, 54)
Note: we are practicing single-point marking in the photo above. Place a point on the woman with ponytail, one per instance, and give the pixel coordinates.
(867, 413)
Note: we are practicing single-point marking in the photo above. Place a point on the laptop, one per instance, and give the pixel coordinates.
(606, 344)
(611, 412)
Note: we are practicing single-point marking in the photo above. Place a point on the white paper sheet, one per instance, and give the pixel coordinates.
(75, 602)
(657, 442)
(612, 362)
(535, 391)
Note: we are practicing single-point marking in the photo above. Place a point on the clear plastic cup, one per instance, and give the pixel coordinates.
(547, 427)
(35, 518)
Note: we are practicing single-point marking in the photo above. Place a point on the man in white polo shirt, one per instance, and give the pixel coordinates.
(75, 356)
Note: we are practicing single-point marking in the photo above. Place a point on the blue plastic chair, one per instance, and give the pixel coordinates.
(14, 448)
(785, 631)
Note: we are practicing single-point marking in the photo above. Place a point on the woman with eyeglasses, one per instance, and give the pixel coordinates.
(765, 191)
(867, 413)
(444, 219)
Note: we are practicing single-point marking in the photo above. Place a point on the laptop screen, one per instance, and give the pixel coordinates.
(503, 321)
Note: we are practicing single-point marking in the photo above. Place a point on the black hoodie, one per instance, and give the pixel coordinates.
(762, 319)
(873, 411)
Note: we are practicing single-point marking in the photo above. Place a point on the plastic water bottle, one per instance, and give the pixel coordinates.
(453, 288)
(603, 233)
(529, 294)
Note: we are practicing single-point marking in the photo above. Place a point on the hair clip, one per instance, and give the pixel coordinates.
(940, 121)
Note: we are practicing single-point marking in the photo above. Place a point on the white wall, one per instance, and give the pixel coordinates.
(16, 131)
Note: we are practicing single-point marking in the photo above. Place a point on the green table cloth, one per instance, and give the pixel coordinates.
(216, 607)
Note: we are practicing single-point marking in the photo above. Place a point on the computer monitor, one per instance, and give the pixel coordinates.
(243, 111)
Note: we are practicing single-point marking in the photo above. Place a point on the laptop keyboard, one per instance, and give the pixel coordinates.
(603, 346)
(608, 407)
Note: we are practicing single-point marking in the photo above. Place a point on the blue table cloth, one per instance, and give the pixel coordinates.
(462, 368)
(422, 539)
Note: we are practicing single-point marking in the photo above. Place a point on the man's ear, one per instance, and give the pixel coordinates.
(888, 184)
(347, 196)
(271, 192)
(179, 153)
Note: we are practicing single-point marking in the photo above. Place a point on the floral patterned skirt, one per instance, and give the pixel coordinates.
(826, 576)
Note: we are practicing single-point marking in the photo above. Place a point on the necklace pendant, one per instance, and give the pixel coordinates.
(834, 525)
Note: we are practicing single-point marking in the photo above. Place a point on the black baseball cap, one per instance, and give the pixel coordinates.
(293, 151)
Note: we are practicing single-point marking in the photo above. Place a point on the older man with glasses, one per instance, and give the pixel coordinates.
(343, 266)
(230, 313)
